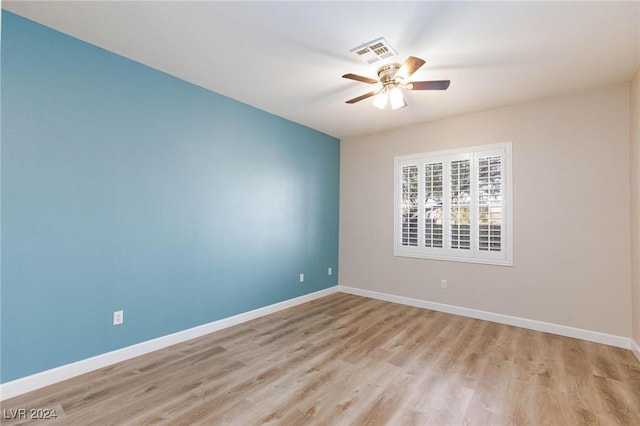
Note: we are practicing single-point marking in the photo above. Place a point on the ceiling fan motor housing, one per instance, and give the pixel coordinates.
(387, 74)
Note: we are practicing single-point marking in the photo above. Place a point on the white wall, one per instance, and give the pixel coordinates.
(634, 136)
(571, 213)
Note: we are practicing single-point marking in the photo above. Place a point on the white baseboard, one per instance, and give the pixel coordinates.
(562, 330)
(49, 377)
(635, 348)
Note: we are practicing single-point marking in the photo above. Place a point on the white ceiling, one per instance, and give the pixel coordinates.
(287, 58)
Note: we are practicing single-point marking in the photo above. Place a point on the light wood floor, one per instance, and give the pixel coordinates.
(345, 359)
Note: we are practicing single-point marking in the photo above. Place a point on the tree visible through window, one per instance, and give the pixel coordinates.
(455, 205)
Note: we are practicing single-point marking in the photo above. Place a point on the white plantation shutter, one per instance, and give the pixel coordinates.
(460, 203)
(433, 205)
(409, 206)
(491, 208)
(455, 205)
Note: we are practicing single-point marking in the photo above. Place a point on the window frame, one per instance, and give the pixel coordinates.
(504, 257)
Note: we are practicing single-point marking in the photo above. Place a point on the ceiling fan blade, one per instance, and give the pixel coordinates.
(360, 78)
(410, 66)
(359, 98)
(429, 85)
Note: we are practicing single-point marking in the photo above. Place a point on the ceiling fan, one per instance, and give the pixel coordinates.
(393, 79)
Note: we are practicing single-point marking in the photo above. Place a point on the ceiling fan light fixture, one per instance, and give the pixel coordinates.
(380, 100)
(397, 98)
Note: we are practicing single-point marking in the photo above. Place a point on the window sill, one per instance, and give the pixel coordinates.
(493, 262)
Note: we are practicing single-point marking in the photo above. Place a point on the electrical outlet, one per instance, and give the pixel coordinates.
(118, 317)
(443, 283)
(301, 278)
(329, 270)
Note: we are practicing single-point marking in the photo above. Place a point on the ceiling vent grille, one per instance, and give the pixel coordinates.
(374, 51)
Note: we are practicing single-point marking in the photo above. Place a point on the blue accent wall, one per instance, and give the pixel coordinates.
(126, 188)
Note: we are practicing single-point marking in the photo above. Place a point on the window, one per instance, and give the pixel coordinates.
(455, 205)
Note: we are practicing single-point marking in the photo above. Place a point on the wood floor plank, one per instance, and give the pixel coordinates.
(349, 360)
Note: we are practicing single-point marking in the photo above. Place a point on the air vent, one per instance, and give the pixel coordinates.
(374, 51)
